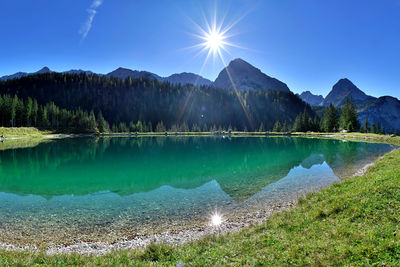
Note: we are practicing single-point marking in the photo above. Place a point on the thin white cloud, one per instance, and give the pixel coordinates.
(85, 28)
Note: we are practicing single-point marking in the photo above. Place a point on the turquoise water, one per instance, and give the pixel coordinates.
(114, 188)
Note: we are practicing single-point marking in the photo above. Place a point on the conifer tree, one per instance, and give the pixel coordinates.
(160, 127)
(349, 117)
(366, 126)
(277, 127)
(373, 128)
(330, 122)
(101, 123)
(262, 128)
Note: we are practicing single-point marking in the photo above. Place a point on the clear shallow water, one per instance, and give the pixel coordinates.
(113, 188)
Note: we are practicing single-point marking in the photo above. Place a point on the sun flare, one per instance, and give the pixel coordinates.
(214, 41)
(216, 219)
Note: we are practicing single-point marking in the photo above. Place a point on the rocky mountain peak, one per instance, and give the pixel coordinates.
(342, 90)
(246, 77)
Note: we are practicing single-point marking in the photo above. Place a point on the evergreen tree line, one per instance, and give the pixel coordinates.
(15, 112)
(334, 119)
(89, 103)
(126, 102)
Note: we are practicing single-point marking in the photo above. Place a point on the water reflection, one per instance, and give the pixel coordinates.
(241, 166)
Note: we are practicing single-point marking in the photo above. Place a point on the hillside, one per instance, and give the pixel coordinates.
(150, 101)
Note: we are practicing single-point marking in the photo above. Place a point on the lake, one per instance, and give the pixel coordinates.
(109, 189)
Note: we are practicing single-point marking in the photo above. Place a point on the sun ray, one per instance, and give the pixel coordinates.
(214, 38)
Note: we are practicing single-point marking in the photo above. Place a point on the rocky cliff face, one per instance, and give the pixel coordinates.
(342, 90)
(385, 109)
(313, 100)
(241, 75)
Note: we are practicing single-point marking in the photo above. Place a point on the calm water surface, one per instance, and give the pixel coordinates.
(114, 188)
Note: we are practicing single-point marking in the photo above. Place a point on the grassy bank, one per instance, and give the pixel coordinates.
(23, 132)
(356, 222)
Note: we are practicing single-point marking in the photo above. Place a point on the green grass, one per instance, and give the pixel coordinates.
(26, 132)
(356, 222)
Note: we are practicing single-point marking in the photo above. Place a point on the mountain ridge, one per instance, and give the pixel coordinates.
(123, 73)
(241, 75)
(310, 98)
(384, 110)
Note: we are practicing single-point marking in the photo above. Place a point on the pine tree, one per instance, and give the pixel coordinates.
(330, 122)
(139, 126)
(35, 110)
(316, 124)
(262, 128)
(101, 123)
(349, 117)
(160, 127)
(378, 127)
(277, 127)
(366, 127)
(373, 128)
(92, 123)
(149, 127)
(28, 112)
(298, 127)
(14, 110)
(305, 121)
(285, 127)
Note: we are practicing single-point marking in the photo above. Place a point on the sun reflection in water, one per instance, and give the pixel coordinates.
(216, 219)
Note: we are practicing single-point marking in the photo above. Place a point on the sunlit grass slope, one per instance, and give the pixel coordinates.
(9, 132)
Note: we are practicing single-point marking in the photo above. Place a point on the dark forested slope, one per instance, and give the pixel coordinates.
(150, 101)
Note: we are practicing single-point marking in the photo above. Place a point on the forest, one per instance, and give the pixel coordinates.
(93, 103)
(144, 105)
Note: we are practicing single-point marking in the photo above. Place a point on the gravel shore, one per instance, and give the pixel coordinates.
(173, 238)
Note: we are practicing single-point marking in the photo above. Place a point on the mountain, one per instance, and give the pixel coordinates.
(179, 106)
(245, 76)
(87, 72)
(180, 78)
(187, 78)
(23, 74)
(342, 90)
(313, 100)
(124, 73)
(385, 109)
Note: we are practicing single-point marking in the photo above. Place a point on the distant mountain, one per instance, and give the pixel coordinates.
(187, 78)
(124, 73)
(385, 109)
(180, 78)
(342, 90)
(87, 72)
(313, 100)
(245, 76)
(23, 74)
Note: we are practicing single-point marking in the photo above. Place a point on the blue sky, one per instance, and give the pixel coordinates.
(308, 44)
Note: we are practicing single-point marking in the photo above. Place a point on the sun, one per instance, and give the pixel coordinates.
(214, 41)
